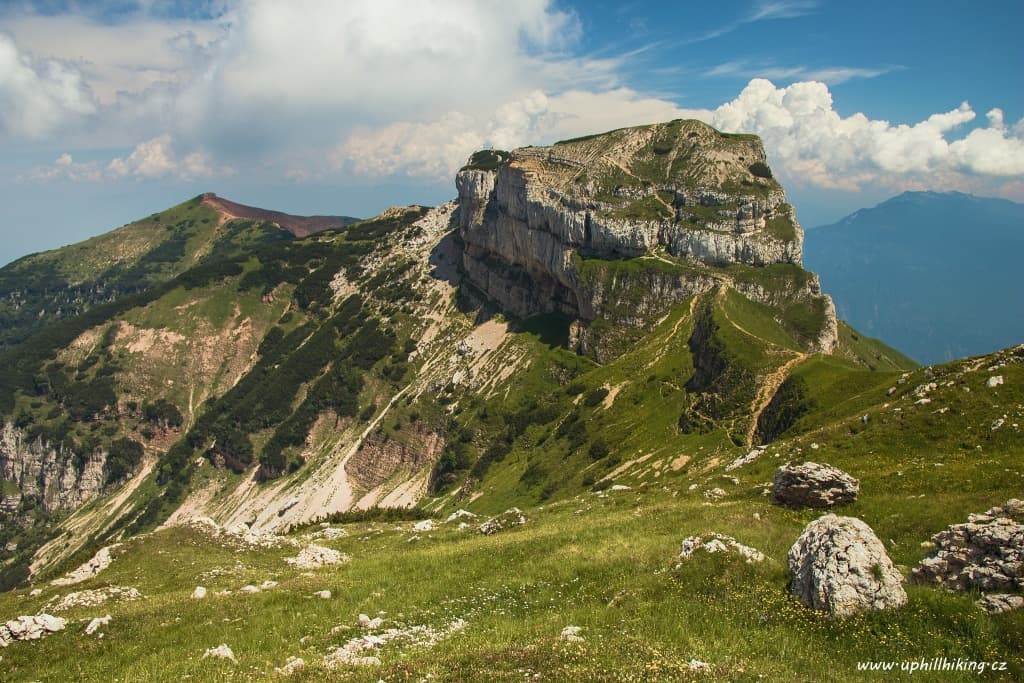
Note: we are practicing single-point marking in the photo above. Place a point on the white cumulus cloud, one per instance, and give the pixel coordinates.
(807, 140)
(157, 158)
(438, 148)
(812, 143)
(316, 89)
(38, 97)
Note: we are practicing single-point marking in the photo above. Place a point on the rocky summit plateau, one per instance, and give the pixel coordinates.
(550, 430)
(540, 225)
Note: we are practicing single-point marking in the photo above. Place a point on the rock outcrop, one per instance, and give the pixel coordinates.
(997, 603)
(985, 553)
(379, 457)
(545, 228)
(93, 597)
(313, 556)
(506, 520)
(814, 486)
(839, 566)
(54, 476)
(718, 543)
(30, 628)
(97, 563)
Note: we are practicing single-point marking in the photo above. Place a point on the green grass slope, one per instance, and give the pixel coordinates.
(232, 360)
(542, 428)
(604, 561)
(41, 288)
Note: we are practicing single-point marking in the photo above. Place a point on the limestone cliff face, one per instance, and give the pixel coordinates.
(380, 457)
(53, 476)
(682, 200)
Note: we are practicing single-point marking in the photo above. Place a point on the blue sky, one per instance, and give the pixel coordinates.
(111, 110)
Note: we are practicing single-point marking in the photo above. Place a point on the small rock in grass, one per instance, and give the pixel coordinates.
(572, 634)
(997, 603)
(366, 622)
(222, 651)
(291, 666)
(95, 624)
(715, 493)
(199, 593)
(323, 595)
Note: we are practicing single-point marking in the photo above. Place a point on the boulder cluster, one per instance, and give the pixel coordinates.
(506, 520)
(986, 553)
(313, 556)
(718, 543)
(30, 628)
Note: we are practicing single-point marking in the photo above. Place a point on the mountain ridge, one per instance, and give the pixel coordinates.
(924, 271)
(356, 454)
(300, 226)
(370, 364)
(51, 285)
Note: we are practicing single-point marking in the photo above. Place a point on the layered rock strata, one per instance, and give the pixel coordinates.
(687, 201)
(54, 476)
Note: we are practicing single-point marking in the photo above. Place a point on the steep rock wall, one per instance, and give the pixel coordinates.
(531, 224)
(55, 477)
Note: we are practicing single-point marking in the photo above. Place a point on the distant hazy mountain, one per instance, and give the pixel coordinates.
(937, 275)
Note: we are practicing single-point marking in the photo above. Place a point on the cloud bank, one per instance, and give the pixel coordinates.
(317, 89)
(814, 144)
(38, 97)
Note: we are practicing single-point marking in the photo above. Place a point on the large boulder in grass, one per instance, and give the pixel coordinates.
(839, 566)
(814, 486)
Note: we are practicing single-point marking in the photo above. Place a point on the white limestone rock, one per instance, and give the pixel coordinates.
(292, 665)
(985, 553)
(571, 634)
(813, 485)
(506, 520)
(30, 628)
(718, 543)
(95, 624)
(460, 514)
(222, 651)
(313, 556)
(100, 561)
(366, 622)
(839, 566)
